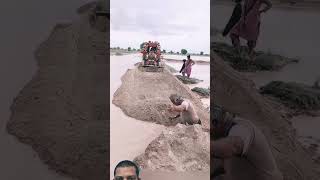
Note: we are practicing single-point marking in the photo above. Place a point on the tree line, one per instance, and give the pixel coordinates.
(182, 51)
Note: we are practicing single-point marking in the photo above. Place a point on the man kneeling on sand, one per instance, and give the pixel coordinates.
(185, 109)
(241, 148)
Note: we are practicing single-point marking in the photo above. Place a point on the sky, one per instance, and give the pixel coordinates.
(176, 24)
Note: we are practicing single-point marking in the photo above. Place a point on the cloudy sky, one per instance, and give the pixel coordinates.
(176, 24)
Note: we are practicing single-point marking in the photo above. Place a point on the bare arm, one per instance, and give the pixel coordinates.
(227, 147)
(267, 7)
(179, 108)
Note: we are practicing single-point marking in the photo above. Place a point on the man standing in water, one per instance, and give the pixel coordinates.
(243, 149)
(188, 66)
(126, 170)
(248, 26)
(185, 109)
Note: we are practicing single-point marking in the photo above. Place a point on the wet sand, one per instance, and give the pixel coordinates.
(22, 31)
(129, 137)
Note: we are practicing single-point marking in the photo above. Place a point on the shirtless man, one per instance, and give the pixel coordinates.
(185, 109)
(242, 148)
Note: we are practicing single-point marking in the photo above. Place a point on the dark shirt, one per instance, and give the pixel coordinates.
(184, 64)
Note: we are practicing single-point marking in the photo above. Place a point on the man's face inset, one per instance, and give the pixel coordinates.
(126, 173)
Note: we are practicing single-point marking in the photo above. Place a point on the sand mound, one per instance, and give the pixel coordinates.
(179, 148)
(238, 95)
(145, 96)
(61, 112)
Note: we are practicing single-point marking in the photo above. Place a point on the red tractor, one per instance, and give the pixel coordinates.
(151, 54)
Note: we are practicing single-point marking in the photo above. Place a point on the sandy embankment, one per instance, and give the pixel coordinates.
(145, 96)
(61, 112)
(239, 95)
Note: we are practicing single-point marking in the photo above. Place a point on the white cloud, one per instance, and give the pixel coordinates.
(175, 24)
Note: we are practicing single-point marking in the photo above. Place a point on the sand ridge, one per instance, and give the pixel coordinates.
(145, 96)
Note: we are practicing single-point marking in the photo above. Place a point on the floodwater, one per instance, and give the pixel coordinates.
(181, 57)
(25, 24)
(130, 137)
(292, 33)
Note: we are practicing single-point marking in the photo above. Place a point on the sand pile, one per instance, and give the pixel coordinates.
(61, 112)
(145, 96)
(238, 95)
(179, 148)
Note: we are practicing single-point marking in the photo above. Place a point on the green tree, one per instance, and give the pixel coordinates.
(164, 51)
(134, 49)
(129, 48)
(184, 51)
(201, 53)
(118, 48)
(171, 52)
(178, 52)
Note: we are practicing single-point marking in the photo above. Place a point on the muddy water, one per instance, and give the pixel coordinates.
(130, 137)
(292, 33)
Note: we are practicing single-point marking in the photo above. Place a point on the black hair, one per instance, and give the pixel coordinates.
(126, 163)
(188, 56)
(184, 60)
(218, 114)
